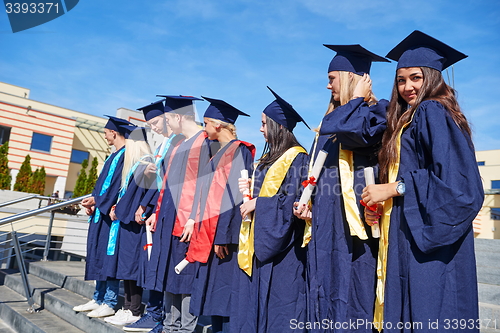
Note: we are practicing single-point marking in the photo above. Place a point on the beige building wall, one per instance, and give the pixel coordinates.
(69, 130)
(489, 167)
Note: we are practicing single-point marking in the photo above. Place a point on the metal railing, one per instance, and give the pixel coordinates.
(29, 197)
(14, 238)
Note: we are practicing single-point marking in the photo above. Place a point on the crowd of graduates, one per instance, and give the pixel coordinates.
(209, 230)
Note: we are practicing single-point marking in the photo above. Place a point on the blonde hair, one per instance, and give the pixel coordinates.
(223, 124)
(348, 82)
(134, 151)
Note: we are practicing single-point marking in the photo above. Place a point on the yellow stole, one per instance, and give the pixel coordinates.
(270, 186)
(352, 214)
(385, 222)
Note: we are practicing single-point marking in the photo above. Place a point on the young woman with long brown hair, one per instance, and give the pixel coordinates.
(432, 192)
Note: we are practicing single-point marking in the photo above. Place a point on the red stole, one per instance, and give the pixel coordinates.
(202, 240)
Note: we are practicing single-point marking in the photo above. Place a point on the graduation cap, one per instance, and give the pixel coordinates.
(422, 50)
(218, 109)
(133, 132)
(114, 124)
(353, 58)
(179, 104)
(283, 113)
(153, 110)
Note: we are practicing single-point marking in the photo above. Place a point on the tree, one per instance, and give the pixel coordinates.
(37, 183)
(80, 185)
(5, 177)
(92, 178)
(24, 176)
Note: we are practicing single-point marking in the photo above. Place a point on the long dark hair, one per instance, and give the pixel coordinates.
(279, 140)
(398, 114)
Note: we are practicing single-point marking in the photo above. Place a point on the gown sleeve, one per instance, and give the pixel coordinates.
(444, 195)
(276, 228)
(356, 124)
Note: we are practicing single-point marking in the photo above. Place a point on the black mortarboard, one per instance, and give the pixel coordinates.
(283, 113)
(133, 132)
(422, 50)
(153, 110)
(218, 109)
(115, 122)
(352, 58)
(179, 104)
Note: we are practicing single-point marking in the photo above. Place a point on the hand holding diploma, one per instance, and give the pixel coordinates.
(370, 180)
(310, 183)
(243, 183)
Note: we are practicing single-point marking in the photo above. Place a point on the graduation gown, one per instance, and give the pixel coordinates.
(148, 276)
(124, 264)
(342, 268)
(275, 294)
(213, 280)
(431, 267)
(98, 233)
(167, 250)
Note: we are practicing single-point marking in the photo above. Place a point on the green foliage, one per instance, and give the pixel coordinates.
(92, 178)
(23, 178)
(80, 186)
(37, 182)
(5, 177)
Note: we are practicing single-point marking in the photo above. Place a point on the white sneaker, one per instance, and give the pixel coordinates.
(118, 315)
(102, 311)
(89, 306)
(125, 319)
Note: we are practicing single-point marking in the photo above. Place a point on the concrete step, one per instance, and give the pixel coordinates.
(60, 302)
(489, 293)
(13, 311)
(488, 245)
(65, 274)
(490, 316)
(4, 328)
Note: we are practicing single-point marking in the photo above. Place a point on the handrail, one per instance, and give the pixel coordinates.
(29, 197)
(34, 212)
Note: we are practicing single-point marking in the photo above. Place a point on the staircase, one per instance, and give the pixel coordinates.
(57, 286)
(488, 276)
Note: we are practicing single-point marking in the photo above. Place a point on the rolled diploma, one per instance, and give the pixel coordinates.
(246, 193)
(370, 179)
(180, 266)
(316, 170)
(149, 240)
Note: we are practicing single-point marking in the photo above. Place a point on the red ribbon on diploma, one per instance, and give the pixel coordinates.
(372, 208)
(147, 245)
(311, 181)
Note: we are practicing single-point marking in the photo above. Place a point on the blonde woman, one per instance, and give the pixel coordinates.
(342, 253)
(124, 243)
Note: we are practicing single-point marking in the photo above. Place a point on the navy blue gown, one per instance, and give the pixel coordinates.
(275, 295)
(213, 280)
(342, 268)
(98, 233)
(431, 267)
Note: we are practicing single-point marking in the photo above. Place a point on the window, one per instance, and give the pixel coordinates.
(495, 184)
(41, 142)
(77, 156)
(495, 213)
(479, 163)
(4, 134)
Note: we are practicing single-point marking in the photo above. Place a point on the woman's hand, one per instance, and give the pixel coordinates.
(221, 251)
(244, 184)
(372, 217)
(303, 212)
(247, 207)
(188, 231)
(151, 222)
(112, 214)
(363, 88)
(139, 215)
(88, 202)
(150, 169)
(89, 211)
(378, 193)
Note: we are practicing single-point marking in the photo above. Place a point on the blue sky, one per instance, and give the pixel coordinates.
(103, 55)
